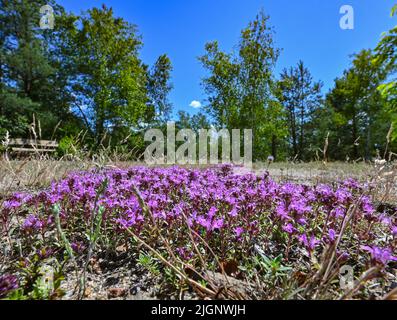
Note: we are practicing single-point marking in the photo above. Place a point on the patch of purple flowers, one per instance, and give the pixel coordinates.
(32, 223)
(381, 256)
(216, 203)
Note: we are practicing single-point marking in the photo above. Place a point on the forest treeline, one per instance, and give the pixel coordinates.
(84, 81)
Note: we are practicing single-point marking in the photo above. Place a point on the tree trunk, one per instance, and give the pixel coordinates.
(354, 136)
(302, 115)
(293, 131)
(274, 147)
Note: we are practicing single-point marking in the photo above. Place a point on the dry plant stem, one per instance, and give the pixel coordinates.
(94, 214)
(325, 149)
(193, 242)
(157, 230)
(329, 256)
(169, 249)
(191, 232)
(347, 219)
(170, 265)
(388, 138)
(145, 208)
(164, 240)
(62, 235)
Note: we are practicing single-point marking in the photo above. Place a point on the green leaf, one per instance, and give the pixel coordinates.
(393, 10)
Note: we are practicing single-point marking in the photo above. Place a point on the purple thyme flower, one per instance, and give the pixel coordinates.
(211, 213)
(379, 255)
(352, 184)
(32, 223)
(394, 231)
(233, 212)
(289, 228)
(303, 239)
(238, 231)
(331, 235)
(8, 283)
(338, 212)
(385, 219)
(309, 244)
(313, 242)
(282, 212)
(217, 224)
(77, 247)
(11, 204)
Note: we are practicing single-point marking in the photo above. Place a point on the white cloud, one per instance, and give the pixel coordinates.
(195, 104)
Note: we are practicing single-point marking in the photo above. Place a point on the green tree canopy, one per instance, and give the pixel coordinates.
(386, 53)
(159, 87)
(241, 87)
(108, 79)
(300, 97)
(29, 69)
(360, 111)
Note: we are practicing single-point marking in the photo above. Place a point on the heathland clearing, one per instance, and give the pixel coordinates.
(123, 230)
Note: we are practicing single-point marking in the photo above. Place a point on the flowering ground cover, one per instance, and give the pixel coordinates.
(200, 230)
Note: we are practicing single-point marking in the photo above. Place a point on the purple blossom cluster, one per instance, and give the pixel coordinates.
(231, 212)
(8, 283)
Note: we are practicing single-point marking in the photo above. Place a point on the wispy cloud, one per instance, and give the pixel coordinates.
(195, 104)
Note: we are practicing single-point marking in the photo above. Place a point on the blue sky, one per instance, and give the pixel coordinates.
(305, 29)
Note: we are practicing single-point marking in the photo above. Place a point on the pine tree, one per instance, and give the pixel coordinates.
(300, 97)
